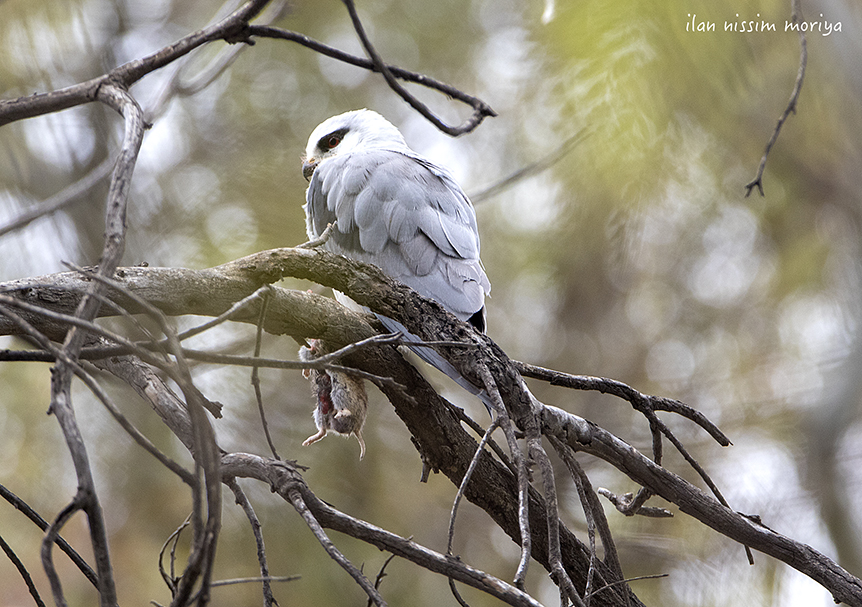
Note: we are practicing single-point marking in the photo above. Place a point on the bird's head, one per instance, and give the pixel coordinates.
(349, 132)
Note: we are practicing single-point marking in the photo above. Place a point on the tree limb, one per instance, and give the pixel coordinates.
(128, 73)
(428, 418)
(285, 479)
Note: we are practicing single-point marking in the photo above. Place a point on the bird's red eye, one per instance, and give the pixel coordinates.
(333, 141)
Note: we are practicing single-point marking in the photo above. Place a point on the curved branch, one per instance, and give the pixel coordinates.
(480, 108)
(428, 418)
(286, 480)
(244, 503)
(435, 425)
(796, 17)
(295, 497)
(585, 436)
(639, 400)
(24, 508)
(128, 73)
(22, 571)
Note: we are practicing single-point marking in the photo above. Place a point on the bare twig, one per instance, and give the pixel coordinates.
(522, 475)
(172, 541)
(467, 475)
(254, 580)
(22, 571)
(454, 590)
(51, 535)
(795, 17)
(215, 67)
(558, 571)
(531, 169)
(242, 500)
(617, 388)
(381, 574)
(627, 580)
(628, 504)
(480, 431)
(205, 525)
(480, 108)
(302, 508)
(656, 422)
(255, 376)
(40, 522)
(221, 318)
(595, 517)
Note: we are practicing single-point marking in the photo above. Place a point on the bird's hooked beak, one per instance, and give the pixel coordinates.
(308, 166)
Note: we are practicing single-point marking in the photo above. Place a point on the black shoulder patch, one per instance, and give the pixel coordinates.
(478, 320)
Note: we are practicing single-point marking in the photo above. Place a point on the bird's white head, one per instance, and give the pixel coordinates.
(349, 132)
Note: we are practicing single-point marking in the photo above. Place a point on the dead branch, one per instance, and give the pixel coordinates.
(520, 469)
(285, 479)
(298, 501)
(244, 503)
(313, 316)
(124, 76)
(21, 506)
(584, 436)
(480, 109)
(22, 571)
(427, 416)
(795, 17)
(244, 276)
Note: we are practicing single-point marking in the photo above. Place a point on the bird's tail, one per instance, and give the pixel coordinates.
(430, 356)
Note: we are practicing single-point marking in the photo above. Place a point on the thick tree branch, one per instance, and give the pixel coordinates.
(434, 423)
(585, 436)
(431, 421)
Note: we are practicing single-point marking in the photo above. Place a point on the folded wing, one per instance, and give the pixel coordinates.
(406, 216)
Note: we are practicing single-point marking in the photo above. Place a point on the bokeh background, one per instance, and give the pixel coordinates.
(633, 254)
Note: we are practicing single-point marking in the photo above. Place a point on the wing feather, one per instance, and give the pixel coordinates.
(420, 254)
(405, 215)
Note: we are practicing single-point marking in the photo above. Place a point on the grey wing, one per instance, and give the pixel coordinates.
(407, 217)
